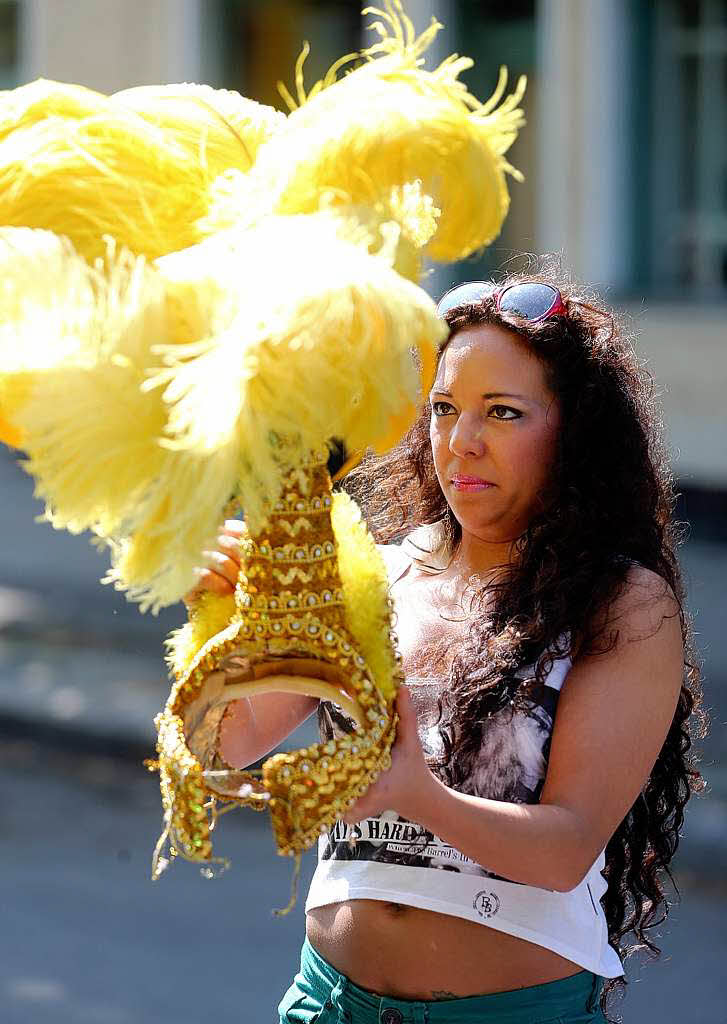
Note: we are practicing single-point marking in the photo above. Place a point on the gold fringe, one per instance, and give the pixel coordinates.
(293, 888)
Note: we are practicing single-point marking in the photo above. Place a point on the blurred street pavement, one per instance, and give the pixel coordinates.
(87, 938)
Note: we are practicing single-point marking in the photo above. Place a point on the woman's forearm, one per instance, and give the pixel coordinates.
(537, 844)
(253, 726)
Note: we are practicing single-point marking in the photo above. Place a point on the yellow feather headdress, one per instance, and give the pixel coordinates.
(198, 293)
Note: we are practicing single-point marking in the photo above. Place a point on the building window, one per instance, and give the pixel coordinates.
(260, 41)
(500, 32)
(9, 44)
(689, 169)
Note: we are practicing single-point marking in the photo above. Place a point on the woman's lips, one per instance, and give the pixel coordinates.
(470, 483)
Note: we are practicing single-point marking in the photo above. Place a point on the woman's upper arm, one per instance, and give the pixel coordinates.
(614, 713)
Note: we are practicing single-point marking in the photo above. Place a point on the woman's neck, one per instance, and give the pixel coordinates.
(474, 555)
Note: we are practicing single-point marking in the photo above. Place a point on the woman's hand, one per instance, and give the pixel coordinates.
(403, 787)
(220, 575)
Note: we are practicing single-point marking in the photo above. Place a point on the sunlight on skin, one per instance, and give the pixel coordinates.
(493, 417)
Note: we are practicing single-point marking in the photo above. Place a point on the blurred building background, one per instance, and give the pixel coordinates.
(625, 160)
(625, 153)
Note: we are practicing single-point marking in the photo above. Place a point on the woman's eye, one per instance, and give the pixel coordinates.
(441, 408)
(504, 412)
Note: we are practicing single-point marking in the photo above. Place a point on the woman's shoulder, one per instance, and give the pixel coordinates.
(395, 560)
(644, 597)
(642, 606)
(639, 584)
(426, 548)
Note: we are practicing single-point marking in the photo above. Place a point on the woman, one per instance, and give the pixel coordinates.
(537, 574)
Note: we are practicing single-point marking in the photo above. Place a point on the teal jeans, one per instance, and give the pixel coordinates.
(320, 995)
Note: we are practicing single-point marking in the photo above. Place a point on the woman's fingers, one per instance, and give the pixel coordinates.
(223, 569)
(236, 527)
(208, 580)
(222, 565)
(230, 546)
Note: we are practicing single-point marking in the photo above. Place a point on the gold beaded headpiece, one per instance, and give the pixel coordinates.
(181, 332)
(311, 616)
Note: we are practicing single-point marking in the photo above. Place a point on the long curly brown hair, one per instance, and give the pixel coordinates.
(612, 503)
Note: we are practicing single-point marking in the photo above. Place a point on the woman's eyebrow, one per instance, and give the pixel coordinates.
(488, 394)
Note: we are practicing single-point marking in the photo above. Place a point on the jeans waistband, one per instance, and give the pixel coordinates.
(572, 995)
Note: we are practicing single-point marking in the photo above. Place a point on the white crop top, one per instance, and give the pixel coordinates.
(397, 860)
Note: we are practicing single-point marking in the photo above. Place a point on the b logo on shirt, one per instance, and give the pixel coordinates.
(486, 903)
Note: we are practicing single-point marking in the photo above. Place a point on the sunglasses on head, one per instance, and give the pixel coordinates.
(531, 300)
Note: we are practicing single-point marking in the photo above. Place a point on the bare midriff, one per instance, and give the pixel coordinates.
(408, 953)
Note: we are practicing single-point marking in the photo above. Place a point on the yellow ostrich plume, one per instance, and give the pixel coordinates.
(39, 275)
(287, 352)
(41, 99)
(290, 353)
(365, 584)
(94, 435)
(386, 123)
(218, 127)
(301, 349)
(72, 361)
(403, 219)
(136, 166)
(9, 434)
(210, 614)
(162, 541)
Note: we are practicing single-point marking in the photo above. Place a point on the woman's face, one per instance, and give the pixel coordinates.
(494, 430)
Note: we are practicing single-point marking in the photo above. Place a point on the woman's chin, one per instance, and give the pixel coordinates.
(488, 529)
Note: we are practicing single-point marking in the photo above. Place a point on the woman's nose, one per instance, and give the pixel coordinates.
(467, 438)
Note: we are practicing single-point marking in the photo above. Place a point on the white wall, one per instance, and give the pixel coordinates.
(108, 45)
(686, 349)
(582, 184)
(583, 200)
